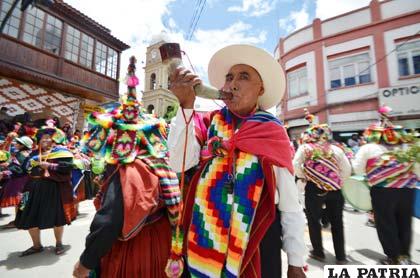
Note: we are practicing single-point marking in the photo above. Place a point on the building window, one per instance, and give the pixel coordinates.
(12, 25)
(349, 71)
(100, 57)
(35, 34)
(152, 81)
(364, 72)
(335, 77)
(86, 51)
(297, 82)
(72, 44)
(150, 109)
(106, 60)
(53, 29)
(408, 55)
(169, 82)
(34, 23)
(79, 47)
(112, 63)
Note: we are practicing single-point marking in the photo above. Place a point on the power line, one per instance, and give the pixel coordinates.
(203, 4)
(198, 19)
(197, 5)
(389, 53)
(195, 18)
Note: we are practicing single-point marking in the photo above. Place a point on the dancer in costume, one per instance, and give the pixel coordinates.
(4, 163)
(324, 167)
(134, 233)
(388, 160)
(15, 177)
(243, 195)
(5, 159)
(47, 200)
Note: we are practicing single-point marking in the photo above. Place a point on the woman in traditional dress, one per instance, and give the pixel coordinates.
(47, 201)
(4, 163)
(15, 176)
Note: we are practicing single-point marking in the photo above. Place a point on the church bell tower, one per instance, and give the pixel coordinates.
(157, 98)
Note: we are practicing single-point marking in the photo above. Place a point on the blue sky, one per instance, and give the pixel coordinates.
(263, 19)
(222, 22)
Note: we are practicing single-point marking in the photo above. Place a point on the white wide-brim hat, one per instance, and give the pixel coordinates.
(271, 72)
(26, 141)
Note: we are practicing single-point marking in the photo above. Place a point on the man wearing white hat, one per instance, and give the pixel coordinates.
(242, 201)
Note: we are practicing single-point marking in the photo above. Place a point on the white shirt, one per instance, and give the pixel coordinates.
(292, 217)
(365, 153)
(344, 165)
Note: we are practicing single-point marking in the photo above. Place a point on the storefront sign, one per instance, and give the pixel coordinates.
(404, 100)
(92, 108)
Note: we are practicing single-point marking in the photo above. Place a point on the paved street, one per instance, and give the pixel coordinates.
(362, 247)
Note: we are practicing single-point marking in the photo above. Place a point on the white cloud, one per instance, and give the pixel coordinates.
(206, 42)
(254, 7)
(295, 20)
(327, 8)
(172, 24)
(133, 23)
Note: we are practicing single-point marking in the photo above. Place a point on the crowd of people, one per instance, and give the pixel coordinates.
(44, 175)
(220, 195)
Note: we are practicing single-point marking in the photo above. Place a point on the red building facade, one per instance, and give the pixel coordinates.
(344, 67)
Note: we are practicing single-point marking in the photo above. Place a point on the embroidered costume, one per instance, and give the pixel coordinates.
(388, 161)
(324, 166)
(141, 194)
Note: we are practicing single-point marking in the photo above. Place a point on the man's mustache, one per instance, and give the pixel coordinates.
(228, 94)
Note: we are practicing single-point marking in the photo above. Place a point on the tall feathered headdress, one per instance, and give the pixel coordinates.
(127, 132)
(315, 132)
(385, 131)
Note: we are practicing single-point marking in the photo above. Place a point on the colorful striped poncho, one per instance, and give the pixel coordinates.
(386, 171)
(56, 152)
(321, 167)
(225, 202)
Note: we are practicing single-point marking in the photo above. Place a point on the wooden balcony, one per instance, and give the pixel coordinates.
(22, 61)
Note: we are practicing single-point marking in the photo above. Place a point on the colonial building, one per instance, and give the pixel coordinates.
(157, 98)
(344, 67)
(56, 61)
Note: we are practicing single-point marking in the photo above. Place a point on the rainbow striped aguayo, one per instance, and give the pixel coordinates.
(222, 220)
(321, 167)
(387, 171)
